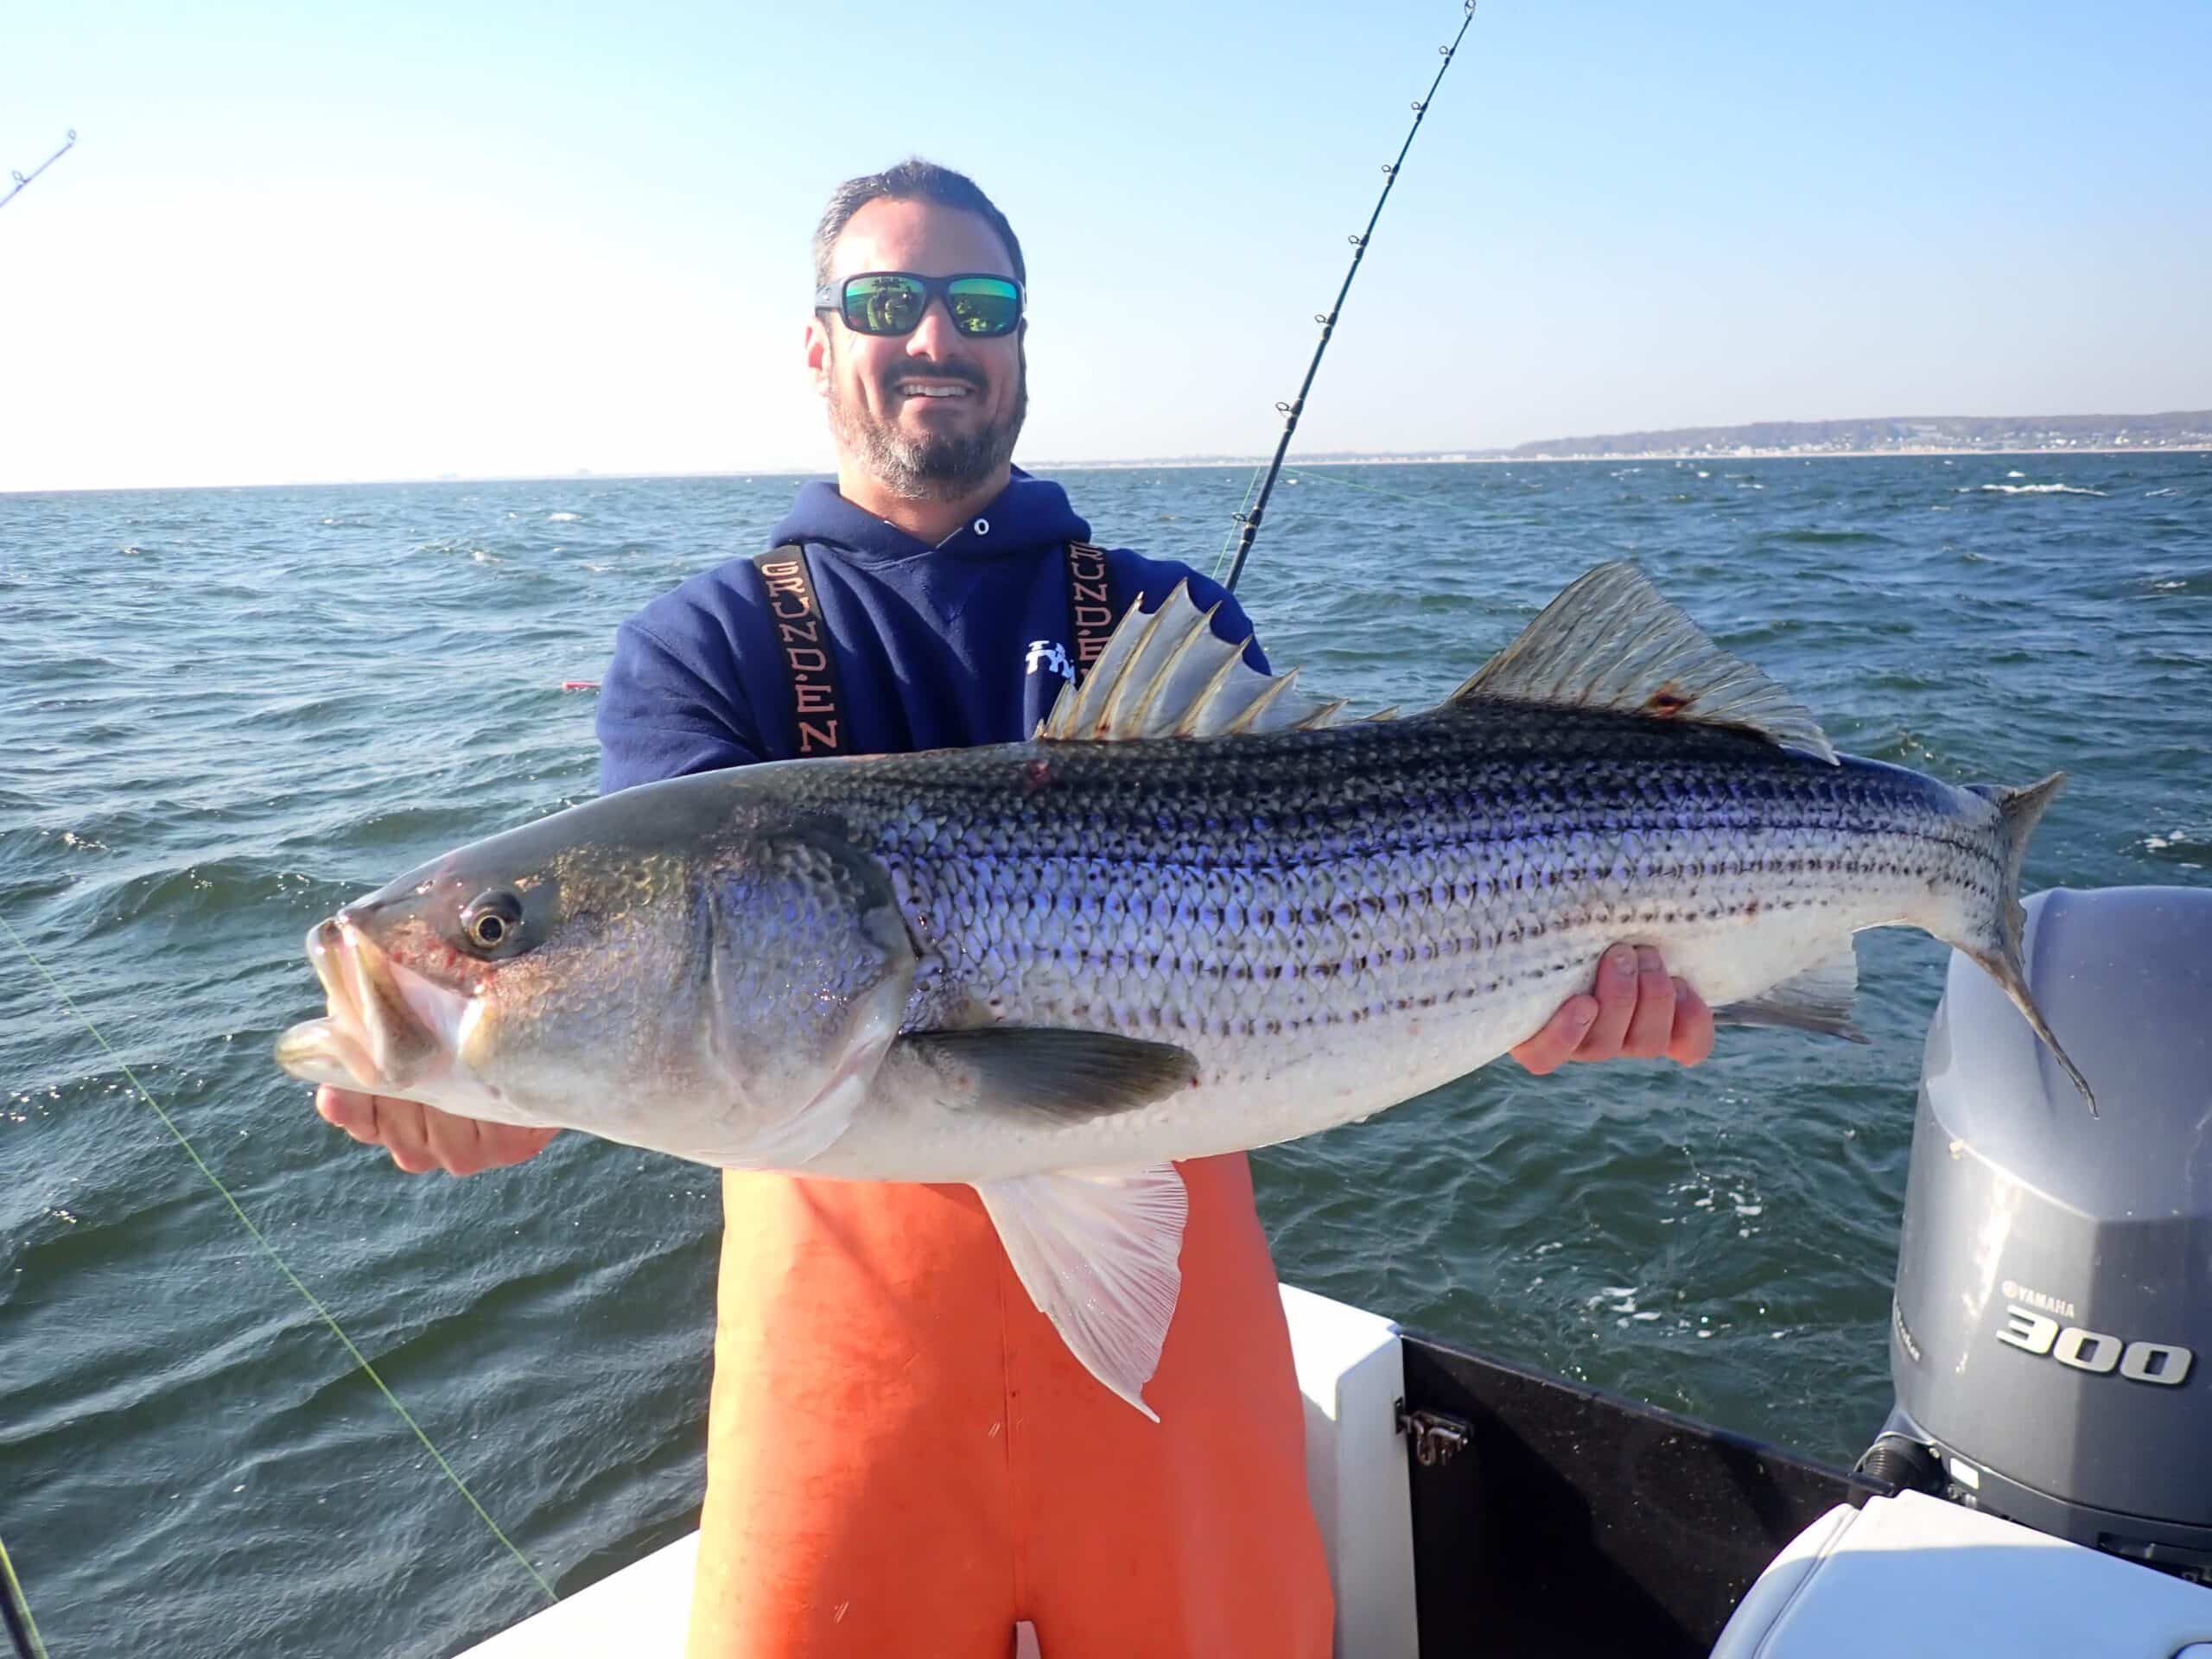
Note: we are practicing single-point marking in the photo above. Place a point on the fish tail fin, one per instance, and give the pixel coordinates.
(2005, 961)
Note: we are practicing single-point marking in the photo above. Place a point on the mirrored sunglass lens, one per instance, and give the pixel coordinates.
(883, 305)
(982, 306)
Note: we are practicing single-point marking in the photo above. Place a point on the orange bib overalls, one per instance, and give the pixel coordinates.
(903, 1457)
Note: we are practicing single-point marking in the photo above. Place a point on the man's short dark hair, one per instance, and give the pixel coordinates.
(912, 180)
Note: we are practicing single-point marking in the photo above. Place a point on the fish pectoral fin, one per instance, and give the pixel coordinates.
(1097, 1251)
(1820, 999)
(1047, 1072)
(1611, 641)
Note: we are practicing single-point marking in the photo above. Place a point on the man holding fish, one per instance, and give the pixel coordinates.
(905, 1455)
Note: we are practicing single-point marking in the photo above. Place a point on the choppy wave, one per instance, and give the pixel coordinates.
(2035, 489)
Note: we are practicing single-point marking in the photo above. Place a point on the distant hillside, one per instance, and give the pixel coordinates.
(2182, 430)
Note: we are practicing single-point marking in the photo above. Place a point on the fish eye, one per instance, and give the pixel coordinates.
(491, 919)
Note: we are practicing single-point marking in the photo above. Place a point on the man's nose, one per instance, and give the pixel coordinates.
(934, 334)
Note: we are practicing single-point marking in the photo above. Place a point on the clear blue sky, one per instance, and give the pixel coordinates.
(380, 240)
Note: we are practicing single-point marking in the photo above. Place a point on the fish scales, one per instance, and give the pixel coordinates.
(1443, 882)
(1197, 914)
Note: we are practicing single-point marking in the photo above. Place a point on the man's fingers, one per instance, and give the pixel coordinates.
(1617, 986)
(1638, 1011)
(400, 1130)
(355, 1114)
(1692, 1041)
(1651, 1026)
(456, 1143)
(1554, 1046)
(464, 1145)
(421, 1138)
(504, 1143)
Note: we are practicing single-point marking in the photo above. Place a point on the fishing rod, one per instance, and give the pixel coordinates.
(1249, 518)
(23, 179)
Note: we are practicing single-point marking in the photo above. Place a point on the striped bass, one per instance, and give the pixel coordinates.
(1197, 913)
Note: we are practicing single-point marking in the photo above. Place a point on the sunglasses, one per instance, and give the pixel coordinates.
(892, 303)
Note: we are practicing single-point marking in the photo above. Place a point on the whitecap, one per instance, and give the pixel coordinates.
(560, 517)
(2040, 489)
(2016, 474)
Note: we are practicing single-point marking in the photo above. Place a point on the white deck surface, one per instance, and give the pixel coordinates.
(1911, 1577)
(638, 1612)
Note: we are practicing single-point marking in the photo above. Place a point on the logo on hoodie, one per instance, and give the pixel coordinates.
(1050, 654)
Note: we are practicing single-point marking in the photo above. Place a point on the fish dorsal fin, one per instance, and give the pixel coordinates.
(1610, 641)
(1166, 673)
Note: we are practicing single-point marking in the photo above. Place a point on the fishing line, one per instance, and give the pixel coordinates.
(283, 1267)
(1249, 519)
(23, 179)
(17, 1611)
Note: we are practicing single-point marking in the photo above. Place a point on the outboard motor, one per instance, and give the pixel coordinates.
(2051, 1340)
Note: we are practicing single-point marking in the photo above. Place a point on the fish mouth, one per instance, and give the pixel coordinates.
(385, 1027)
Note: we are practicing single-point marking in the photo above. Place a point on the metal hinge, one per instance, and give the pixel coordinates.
(1436, 1437)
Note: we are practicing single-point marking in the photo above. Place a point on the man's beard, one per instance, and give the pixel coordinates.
(939, 467)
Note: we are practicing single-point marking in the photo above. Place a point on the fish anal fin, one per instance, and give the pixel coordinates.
(1610, 641)
(1099, 1253)
(1819, 1000)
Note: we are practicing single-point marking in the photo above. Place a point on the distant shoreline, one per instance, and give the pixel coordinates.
(1292, 462)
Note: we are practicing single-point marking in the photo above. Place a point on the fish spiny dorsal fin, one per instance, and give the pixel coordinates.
(1143, 685)
(1610, 641)
(1166, 673)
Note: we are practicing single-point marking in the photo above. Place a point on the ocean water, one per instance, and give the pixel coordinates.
(225, 712)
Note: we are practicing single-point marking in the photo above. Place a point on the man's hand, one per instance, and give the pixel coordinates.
(421, 1138)
(1637, 1011)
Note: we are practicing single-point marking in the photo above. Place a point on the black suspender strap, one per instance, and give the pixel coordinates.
(818, 712)
(1091, 610)
(818, 708)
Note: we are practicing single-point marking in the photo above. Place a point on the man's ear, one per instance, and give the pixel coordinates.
(821, 355)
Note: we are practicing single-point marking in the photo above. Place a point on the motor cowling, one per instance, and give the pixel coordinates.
(2051, 1342)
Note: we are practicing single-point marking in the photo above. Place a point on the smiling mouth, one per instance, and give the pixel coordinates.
(935, 390)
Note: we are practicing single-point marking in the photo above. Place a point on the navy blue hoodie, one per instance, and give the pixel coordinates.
(935, 647)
